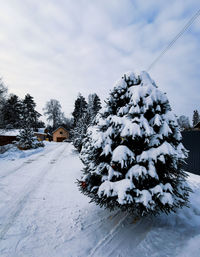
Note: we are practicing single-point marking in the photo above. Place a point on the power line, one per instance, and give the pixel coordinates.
(188, 24)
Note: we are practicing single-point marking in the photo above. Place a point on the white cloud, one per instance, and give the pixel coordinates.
(55, 49)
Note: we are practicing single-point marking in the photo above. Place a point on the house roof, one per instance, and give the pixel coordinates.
(39, 133)
(59, 128)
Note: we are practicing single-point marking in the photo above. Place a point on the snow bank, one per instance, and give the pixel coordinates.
(9, 132)
(14, 153)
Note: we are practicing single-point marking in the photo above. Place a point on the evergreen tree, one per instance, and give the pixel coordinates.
(85, 118)
(29, 114)
(67, 123)
(94, 105)
(29, 120)
(79, 132)
(81, 119)
(27, 139)
(40, 124)
(196, 118)
(133, 156)
(80, 108)
(12, 111)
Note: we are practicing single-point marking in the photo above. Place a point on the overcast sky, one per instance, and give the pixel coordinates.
(55, 49)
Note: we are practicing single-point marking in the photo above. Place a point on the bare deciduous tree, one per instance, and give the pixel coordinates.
(53, 112)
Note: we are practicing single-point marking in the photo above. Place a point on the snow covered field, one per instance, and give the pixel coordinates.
(43, 214)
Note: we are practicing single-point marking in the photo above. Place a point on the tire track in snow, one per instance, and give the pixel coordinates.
(138, 233)
(15, 210)
(108, 237)
(110, 216)
(143, 227)
(24, 164)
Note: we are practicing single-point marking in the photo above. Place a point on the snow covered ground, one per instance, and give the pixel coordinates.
(43, 214)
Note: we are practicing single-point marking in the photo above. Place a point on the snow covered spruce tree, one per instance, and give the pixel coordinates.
(27, 139)
(133, 155)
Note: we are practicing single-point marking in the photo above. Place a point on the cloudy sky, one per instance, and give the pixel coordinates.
(55, 49)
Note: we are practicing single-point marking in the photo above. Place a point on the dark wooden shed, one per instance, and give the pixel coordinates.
(191, 141)
(4, 140)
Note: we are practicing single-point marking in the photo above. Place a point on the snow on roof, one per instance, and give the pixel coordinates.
(9, 132)
(41, 130)
(59, 128)
(40, 133)
(16, 132)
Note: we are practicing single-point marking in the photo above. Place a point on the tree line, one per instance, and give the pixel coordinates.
(184, 122)
(83, 116)
(17, 113)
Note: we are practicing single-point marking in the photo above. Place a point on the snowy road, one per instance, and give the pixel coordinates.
(43, 214)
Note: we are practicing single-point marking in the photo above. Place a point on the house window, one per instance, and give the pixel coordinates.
(61, 132)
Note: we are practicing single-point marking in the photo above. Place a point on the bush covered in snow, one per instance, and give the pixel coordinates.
(133, 156)
(27, 140)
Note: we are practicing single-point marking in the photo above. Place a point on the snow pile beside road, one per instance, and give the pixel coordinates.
(184, 226)
(13, 153)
